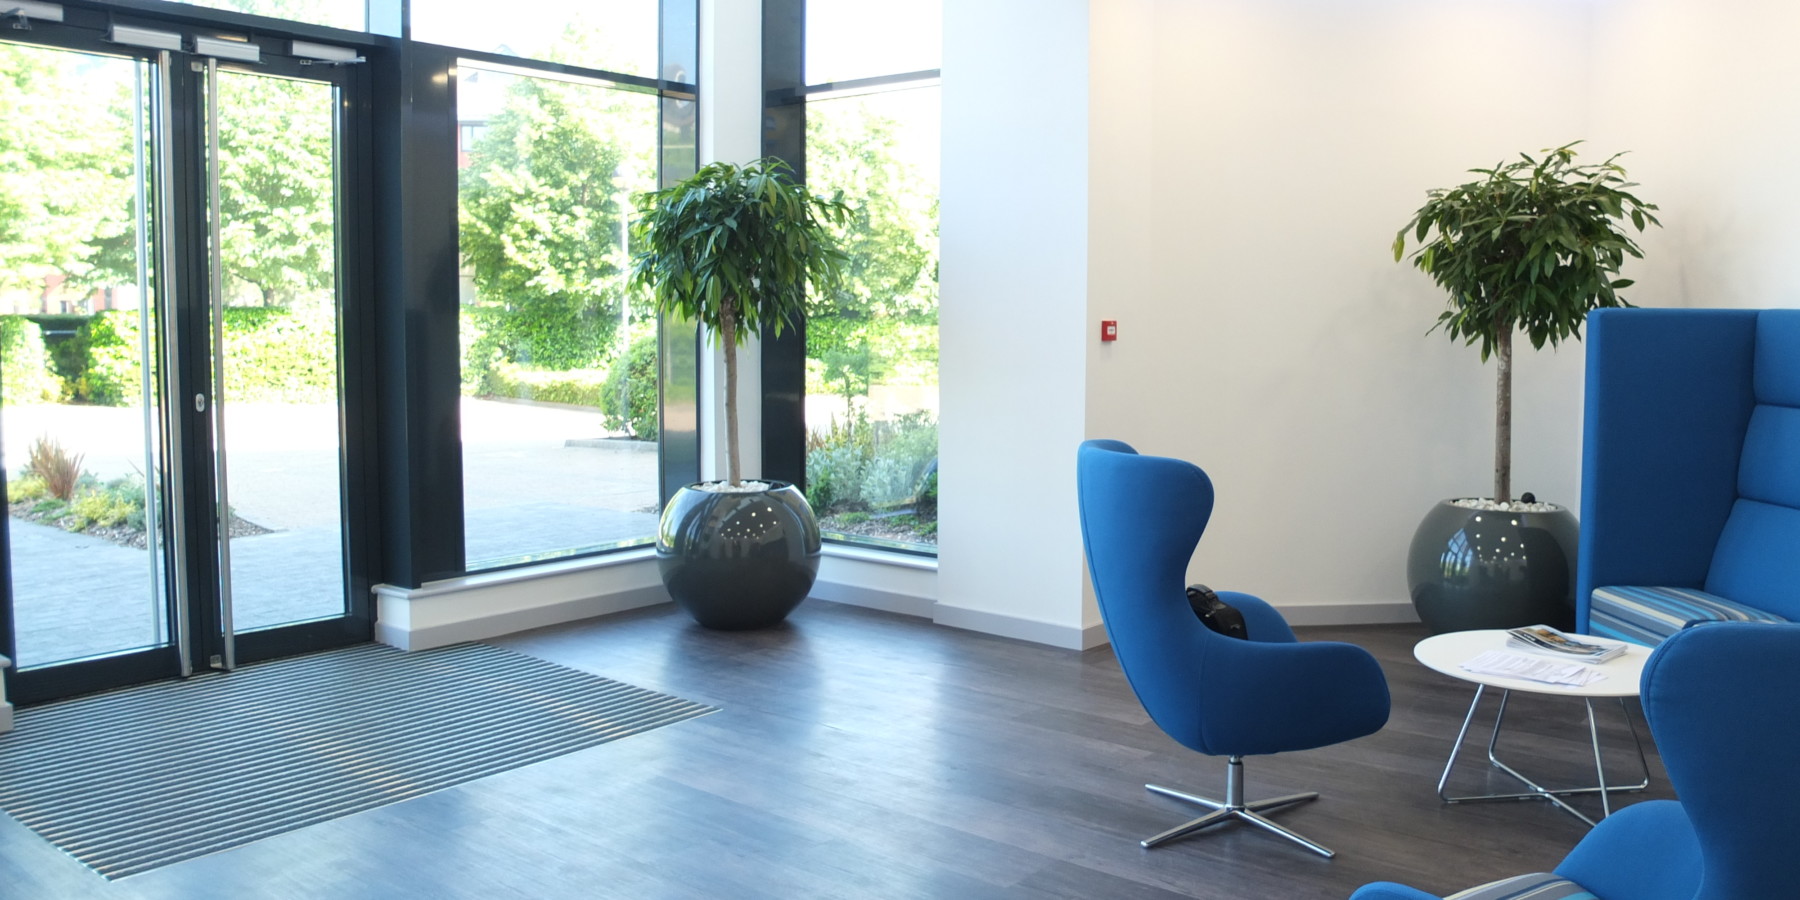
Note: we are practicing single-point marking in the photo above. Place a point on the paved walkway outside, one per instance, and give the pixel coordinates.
(526, 491)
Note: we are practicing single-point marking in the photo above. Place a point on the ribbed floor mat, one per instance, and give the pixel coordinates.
(134, 779)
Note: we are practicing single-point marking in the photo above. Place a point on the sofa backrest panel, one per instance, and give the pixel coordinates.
(1770, 469)
(1778, 357)
(1757, 561)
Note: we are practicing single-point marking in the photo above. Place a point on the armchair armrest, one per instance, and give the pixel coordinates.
(1260, 619)
(1646, 850)
(1277, 697)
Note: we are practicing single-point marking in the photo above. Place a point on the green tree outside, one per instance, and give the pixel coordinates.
(544, 201)
(277, 203)
(67, 198)
(882, 325)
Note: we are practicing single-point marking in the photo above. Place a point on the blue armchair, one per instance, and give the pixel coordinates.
(1719, 700)
(1690, 504)
(1141, 518)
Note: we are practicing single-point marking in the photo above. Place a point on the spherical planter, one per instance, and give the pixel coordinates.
(736, 560)
(1475, 568)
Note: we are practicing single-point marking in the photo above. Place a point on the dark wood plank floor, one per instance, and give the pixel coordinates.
(864, 755)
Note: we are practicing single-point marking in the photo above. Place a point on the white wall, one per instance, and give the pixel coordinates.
(1274, 340)
(1122, 204)
(1014, 304)
(1703, 92)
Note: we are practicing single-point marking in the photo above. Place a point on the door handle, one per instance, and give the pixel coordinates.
(199, 403)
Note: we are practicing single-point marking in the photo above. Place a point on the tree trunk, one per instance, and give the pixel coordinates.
(728, 332)
(1503, 420)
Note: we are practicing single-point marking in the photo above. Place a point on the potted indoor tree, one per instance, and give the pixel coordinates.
(735, 249)
(1528, 249)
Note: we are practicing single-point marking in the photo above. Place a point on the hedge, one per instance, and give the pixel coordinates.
(109, 373)
(576, 387)
(281, 355)
(273, 354)
(25, 368)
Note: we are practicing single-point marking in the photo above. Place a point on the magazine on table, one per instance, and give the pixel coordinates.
(1548, 640)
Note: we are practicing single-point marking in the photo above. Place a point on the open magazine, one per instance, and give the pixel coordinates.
(1549, 640)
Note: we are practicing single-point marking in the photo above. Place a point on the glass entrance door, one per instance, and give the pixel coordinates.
(275, 350)
(80, 411)
(171, 406)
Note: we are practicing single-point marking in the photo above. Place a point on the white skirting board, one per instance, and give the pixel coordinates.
(478, 607)
(5, 707)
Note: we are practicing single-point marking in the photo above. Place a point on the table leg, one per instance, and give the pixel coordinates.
(1599, 767)
(1457, 747)
(1533, 789)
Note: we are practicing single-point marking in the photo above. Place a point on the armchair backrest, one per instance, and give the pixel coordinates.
(1720, 700)
(1141, 518)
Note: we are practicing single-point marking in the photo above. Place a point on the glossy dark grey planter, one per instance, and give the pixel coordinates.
(1471, 568)
(736, 561)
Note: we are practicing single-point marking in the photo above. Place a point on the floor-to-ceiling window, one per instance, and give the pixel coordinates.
(558, 133)
(869, 99)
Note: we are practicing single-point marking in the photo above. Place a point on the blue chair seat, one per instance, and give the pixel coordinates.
(1536, 886)
(1648, 615)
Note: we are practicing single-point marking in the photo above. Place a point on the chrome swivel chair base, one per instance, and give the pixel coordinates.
(1234, 807)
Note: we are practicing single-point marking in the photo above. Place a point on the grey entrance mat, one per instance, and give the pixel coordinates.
(139, 778)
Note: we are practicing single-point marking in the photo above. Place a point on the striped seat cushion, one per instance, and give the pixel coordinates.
(1536, 886)
(1646, 615)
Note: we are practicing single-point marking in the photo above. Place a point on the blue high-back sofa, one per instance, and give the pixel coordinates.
(1690, 500)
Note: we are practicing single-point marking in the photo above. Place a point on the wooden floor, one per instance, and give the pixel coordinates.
(864, 755)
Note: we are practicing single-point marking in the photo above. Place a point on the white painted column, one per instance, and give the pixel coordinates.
(1013, 317)
(730, 131)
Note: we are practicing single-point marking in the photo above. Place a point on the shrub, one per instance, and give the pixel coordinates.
(26, 374)
(857, 463)
(834, 476)
(905, 450)
(118, 502)
(59, 470)
(25, 488)
(887, 481)
(633, 383)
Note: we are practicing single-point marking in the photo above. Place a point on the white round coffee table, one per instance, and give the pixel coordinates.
(1446, 653)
